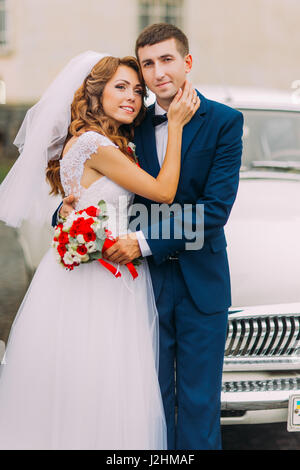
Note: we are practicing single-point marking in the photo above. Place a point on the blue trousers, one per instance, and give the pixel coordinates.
(190, 368)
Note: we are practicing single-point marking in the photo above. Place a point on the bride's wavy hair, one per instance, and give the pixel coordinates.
(87, 113)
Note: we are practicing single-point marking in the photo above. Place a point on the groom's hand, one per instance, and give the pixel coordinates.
(67, 207)
(125, 250)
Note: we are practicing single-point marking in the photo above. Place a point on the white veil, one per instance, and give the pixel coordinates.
(25, 192)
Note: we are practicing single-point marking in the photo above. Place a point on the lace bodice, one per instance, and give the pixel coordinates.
(118, 199)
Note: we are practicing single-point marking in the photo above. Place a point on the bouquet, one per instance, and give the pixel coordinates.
(83, 238)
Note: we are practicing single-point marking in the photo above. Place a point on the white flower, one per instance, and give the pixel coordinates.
(81, 258)
(72, 246)
(54, 244)
(86, 216)
(91, 247)
(57, 232)
(67, 225)
(132, 146)
(96, 225)
(77, 258)
(80, 238)
(68, 259)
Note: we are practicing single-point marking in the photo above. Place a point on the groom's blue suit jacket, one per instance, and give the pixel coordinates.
(211, 159)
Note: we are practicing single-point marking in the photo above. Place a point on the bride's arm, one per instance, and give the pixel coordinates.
(111, 162)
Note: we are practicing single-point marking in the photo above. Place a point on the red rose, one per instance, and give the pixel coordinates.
(69, 267)
(82, 249)
(75, 229)
(92, 211)
(77, 221)
(63, 238)
(62, 250)
(89, 221)
(89, 236)
(86, 226)
(129, 149)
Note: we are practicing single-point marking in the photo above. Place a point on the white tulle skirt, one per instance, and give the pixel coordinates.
(80, 369)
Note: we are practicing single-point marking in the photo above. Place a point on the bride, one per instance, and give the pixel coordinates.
(80, 368)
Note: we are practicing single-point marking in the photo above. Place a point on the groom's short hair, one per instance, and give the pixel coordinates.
(159, 32)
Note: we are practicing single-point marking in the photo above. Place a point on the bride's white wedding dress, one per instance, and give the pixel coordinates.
(80, 369)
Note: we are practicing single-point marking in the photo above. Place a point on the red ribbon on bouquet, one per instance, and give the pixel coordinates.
(108, 242)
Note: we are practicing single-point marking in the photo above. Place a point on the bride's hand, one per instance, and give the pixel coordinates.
(184, 105)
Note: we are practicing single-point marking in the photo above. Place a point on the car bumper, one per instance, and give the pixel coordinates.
(279, 415)
(257, 397)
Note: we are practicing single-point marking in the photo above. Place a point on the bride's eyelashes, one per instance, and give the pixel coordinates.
(138, 91)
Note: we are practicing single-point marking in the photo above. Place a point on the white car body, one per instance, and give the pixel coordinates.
(262, 357)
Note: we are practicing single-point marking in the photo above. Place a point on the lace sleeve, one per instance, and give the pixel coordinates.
(72, 164)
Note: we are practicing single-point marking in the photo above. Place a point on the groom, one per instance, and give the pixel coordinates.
(191, 286)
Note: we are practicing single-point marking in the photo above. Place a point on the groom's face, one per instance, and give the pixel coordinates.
(164, 68)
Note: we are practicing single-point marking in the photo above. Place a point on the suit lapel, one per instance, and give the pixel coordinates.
(193, 127)
(150, 161)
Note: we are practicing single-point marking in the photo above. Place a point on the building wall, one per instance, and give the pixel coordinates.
(238, 42)
(46, 34)
(245, 42)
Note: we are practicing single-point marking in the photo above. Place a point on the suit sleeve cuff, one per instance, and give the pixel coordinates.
(144, 247)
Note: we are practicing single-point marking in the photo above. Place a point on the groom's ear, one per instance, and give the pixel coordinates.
(188, 63)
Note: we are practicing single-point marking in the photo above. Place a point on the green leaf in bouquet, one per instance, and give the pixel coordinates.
(95, 256)
(100, 233)
(102, 206)
(137, 261)
(99, 244)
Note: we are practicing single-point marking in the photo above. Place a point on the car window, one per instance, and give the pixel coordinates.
(271, 136)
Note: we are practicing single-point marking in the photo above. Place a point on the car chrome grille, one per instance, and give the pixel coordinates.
(290, 383)
(263, 339)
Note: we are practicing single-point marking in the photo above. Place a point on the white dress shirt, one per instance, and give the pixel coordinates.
(161, 137)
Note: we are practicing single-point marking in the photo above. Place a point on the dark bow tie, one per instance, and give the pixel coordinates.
(159, 119)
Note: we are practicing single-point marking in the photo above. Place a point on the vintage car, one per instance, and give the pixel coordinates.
(261, 373)
(262, 356)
